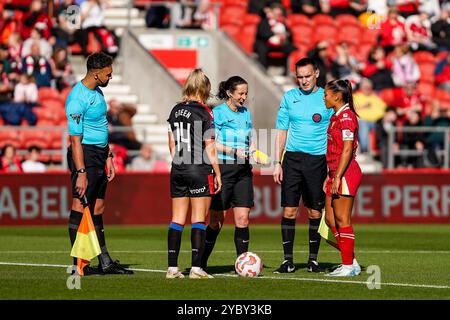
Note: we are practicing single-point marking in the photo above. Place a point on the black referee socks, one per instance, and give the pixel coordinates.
(314, 238)
(287, 236)
(210, 242)
(103, 259)
(74, 223)
(241, 240)
(174, 243)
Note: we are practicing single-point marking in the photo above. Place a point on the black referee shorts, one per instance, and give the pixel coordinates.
(94, 162)
(237, 187)
(192, 181)
(303, 176)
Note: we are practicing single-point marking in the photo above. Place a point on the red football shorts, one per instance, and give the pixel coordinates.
(350, 181)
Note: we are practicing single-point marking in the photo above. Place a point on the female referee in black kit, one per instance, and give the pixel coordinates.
(194, 158)
(233, 125)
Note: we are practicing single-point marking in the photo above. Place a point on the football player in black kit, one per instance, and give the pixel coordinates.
(195, 175)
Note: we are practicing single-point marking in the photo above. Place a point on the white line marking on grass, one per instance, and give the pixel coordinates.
(233, 251)
(259, 278)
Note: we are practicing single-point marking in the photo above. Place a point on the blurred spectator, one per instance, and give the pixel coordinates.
(36, 37)
(6, 88)
(378, 69)
(378, 7)
(353, 7)
(412, 141)
(393, 32)
(406, 8)
(119, 115)
(418, 30)
(156, 16)
(37, 66)
(147, 161)
(273, 35)
(33, 164)
(441, 29)
(194, 14)
(36, 17)
(15, 54)
(345, 65)
(307, 7)
(68, 22)
(404, 67)
(257, 6)
(439, 117)
(26, 90)
(370, 109)
(410, 99)
(382, 127)
(8, 24)
(92, 19)
(62, 70)
(321, 55)
(120, 157)
(442, 73)
(432, 7)
(9, 161)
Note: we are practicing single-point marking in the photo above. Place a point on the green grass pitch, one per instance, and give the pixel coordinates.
(414, 262)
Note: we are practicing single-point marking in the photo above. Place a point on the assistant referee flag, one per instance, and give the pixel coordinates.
(86, 246)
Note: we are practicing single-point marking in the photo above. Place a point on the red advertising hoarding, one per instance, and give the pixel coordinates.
(44, 199)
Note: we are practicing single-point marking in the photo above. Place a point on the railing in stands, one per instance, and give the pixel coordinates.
(391, 140)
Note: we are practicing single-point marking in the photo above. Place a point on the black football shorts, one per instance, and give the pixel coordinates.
(191, 183)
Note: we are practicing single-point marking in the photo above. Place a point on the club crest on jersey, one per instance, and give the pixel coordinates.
(76, 117)
(316, 117)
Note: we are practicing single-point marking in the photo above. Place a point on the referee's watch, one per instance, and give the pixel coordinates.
(82, 170)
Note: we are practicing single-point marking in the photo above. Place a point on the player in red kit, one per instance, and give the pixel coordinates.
(344, 173)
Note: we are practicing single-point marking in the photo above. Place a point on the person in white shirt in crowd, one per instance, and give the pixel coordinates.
(37, 37)
(147, 161)
(26, 90)
(404, 67)
(33, 164)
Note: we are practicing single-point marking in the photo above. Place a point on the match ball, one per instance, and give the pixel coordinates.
(248, 264)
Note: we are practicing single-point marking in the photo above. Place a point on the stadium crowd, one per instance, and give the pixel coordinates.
(395, 53)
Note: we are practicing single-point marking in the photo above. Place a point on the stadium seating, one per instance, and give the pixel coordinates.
(346, 20)
(298, 19)
(350, 34)
(322, 19)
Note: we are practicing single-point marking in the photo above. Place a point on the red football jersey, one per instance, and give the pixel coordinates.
(343, 126)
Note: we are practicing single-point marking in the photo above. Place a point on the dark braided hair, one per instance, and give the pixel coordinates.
(229, 85)
(345, 88)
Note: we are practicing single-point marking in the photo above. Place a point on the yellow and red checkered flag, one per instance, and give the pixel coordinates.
(86, 246)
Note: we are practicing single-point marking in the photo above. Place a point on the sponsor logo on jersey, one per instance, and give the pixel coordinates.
(197, 191)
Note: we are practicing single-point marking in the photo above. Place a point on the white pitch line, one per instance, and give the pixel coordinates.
(259, 278)
(233, 251)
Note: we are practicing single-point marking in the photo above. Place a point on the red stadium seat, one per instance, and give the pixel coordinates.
(54, 104)
(426, 88)
(46, 114)
(48, 93)
(246, 38)
(388, 96)
(427, 70)
(322, 19)
(252, 19)
(296, 19)
(10, 137)
(370, 36)
(233, 14)
(444, 98)
(350, 34)
(232, 30)
(424, 56)
(301, 35)
(294, 57)
(56, 158)
(65, 93)
(347, 19)
(239, 3)
(286, 4)
(324, 32)
(38, 138)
